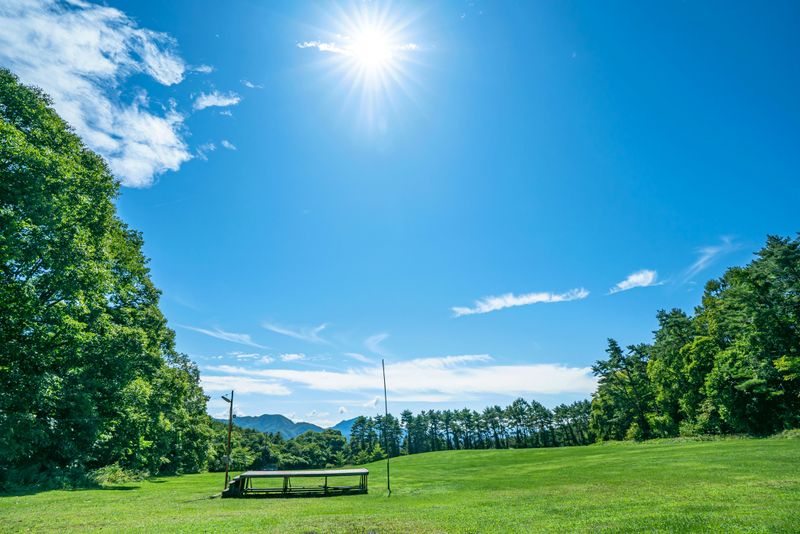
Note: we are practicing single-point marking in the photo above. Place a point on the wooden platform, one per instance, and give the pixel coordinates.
(255, 483)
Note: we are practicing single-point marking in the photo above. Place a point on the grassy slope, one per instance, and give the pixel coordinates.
(722, 485)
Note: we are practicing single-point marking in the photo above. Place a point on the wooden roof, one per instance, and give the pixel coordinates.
(306, 473)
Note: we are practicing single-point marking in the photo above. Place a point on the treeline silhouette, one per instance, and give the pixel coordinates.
(520, 424)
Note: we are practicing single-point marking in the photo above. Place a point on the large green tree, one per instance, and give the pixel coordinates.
(624, 393)
(733, 367)
(89, 375)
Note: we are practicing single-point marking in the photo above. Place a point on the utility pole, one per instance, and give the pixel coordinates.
(385, 424)
(230, 428)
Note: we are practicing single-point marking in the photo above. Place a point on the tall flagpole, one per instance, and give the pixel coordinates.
(385, 425)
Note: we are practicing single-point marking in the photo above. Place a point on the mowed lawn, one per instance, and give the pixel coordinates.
(728, 485)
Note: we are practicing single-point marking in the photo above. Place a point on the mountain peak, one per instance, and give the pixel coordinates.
(274, 423)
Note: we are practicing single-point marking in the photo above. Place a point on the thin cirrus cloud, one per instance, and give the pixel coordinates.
(373, 343)
(203, 69)
(359, 357)
(80, 54)
(242, 384)
(204, 149)
(292, 357)
(707, 256)
(447, 377)
(216, 99)
(310, 334)
(349, 47)
(227, 144)
(643, 278)
(233, 337)
(509, 300)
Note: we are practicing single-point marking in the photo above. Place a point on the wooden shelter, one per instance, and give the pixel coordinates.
(264, 483)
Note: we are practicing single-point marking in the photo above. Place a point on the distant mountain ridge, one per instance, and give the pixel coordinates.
(274, 423)
(345, 426)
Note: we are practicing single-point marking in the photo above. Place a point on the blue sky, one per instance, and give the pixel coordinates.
(481, 193)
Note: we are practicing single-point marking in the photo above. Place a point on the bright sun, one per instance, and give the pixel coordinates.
(371, 48)
(369, 52)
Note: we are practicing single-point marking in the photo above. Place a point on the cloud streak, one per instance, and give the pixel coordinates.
(707, 255)
(509, 300)
(216, 99)
(350, 47)
(233, 337)
(310, 334)
(450, 376)
(242, 384)
(359, 357)
(80, 54)
(643, 278)
(373, 343)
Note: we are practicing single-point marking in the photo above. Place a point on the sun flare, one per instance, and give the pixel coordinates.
(372, 49)
(369, 54)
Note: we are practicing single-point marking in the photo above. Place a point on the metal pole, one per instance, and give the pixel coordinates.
(230, 428)
(385, 424)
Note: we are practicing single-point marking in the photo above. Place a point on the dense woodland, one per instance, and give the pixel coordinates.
(732, 367)
(89, 374)
(90, 379)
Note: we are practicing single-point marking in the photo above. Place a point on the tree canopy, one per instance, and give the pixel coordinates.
(733, 367)
(89, 374)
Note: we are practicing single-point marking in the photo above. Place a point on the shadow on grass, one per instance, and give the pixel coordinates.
(34, 490)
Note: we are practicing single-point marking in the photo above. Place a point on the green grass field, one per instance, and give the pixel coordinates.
(727, 485)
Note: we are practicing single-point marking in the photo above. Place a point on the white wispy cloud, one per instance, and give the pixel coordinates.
(251, 85)
(322, 46)
(707, 255)
(242, 384)
(643, 278)
(80, 54)
(204, 149)
(450, 376)
(244, 355)
(347, 46)
(490, 304)
(310, 334)
(203, 69)
(227, 144)
(292, 357)
(359, 357)
(373, 343)
(216, 99)
(233, 337)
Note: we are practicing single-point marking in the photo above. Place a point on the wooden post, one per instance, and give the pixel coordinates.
(230, 428)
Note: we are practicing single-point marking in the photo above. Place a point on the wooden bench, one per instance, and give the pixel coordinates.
(247, 484)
